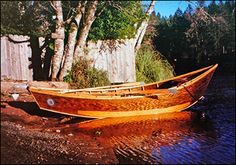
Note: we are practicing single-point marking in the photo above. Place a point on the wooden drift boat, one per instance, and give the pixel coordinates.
(132, 99)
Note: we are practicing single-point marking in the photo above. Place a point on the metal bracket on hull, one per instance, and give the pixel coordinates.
(173, 90)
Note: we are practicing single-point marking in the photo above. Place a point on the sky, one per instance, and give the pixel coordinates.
(167, 8)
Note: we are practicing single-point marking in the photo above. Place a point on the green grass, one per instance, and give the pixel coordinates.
(82, 75)
(151, 66)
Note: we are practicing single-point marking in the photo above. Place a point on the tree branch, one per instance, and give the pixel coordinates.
(204, 12)
(68, 20)
(53, 6)
(100, 12)
(116, 6)
(142, 29)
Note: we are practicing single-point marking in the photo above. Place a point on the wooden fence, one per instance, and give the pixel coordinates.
(117, 58)
(15, 58)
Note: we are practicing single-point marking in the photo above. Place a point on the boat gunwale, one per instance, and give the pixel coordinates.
(194, 80)
(92, 96)
(125, 85)
(90, 89)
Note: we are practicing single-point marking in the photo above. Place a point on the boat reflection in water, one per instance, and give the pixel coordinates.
(180, 137)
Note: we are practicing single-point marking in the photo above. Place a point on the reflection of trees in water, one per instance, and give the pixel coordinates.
(148, 138)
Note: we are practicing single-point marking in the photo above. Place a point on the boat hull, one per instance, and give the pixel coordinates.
(159, 102)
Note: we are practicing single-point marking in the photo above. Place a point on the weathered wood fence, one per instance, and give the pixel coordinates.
(115, 57)
(15, 58)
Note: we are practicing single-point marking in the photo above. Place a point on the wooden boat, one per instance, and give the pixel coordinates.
(171, 95)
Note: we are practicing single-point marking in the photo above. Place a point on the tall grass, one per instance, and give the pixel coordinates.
(151, 66)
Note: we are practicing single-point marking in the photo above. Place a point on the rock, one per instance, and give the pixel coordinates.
(13, 87)
(49, 84)
(70, 134)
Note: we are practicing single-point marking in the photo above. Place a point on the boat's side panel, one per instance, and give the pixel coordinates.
(119, 107)
(196, 88)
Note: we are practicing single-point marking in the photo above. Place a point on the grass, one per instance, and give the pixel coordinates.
(82, 75)
(151, 66)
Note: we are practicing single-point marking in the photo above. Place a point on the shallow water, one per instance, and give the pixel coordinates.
(206, 134)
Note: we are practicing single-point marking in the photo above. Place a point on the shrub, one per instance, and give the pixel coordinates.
(82, 75)
(151, 66)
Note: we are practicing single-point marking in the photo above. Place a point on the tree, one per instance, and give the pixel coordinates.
(73, 24)
(202, 31)
(70, 46)
(90, 11)
(59, 39)
(32, 18)
(142, 29)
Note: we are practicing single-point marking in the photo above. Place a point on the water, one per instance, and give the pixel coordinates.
(206, 134)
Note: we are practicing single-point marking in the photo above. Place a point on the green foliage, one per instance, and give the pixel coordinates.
(51, 45)
(117, 22)
(170, 35)
(151, 66)
(82, 75)
(35, 18)
(26, 18)
(9, 17)
(193, 35)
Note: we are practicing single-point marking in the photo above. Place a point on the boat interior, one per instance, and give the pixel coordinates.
(135, 89)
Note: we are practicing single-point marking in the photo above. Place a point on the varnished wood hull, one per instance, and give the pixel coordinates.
(139, 100)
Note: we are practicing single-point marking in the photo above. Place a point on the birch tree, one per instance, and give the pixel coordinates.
(80, 24)
(70, 46)
(143, 27)
(74, 48)
(88, 20)
(59, 39)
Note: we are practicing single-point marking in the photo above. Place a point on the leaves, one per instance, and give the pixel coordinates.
(117, 21)
(26, 18)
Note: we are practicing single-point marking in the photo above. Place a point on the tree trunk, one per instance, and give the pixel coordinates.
(70, 47)
(142, 29)
(47, 61)
(36, 59)
(89, 19)
(59, 40)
